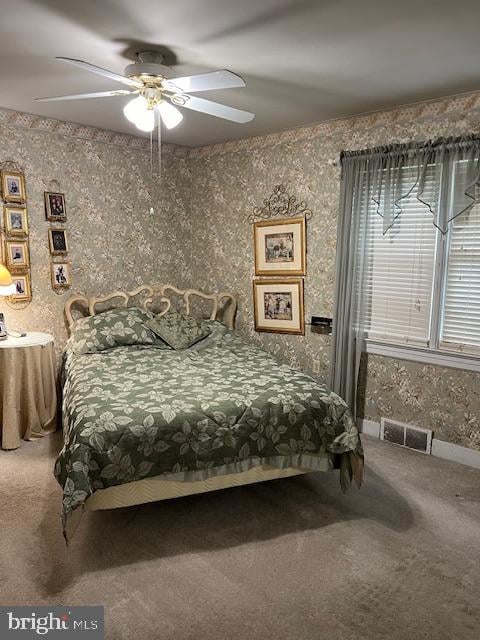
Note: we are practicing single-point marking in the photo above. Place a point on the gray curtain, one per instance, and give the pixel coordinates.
(377, 176)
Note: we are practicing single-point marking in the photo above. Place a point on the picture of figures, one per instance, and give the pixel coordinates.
(55, 207)
(61, 275)
(22, 288)
(16, 221)
(17, 254)
(277, 306)
(13, 186)
(58, 241)
(280, 247)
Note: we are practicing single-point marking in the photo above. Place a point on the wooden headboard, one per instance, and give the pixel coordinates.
(155, 297)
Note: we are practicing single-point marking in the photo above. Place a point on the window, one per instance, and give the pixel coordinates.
(421, 287)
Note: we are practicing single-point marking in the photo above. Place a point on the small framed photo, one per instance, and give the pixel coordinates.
(17, 254)
(13, 186)
(278, 306)
(58, 241)
(55, 207)
(280, 247)
(61, 278)
(23, 291)
(16, 221)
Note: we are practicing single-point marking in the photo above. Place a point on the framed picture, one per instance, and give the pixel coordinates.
(13, 186)
(61, 278)
(58, 241)
(23, 290)
(55, 207)
(278, 306)
(280, 247)
(17, 254)
(16, 221)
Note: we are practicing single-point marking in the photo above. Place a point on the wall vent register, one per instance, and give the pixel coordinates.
(406, 435)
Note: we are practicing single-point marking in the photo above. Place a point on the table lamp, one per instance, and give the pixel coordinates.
(7, 288)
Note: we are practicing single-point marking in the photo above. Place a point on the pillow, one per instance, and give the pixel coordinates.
(114, 328)
(177, 330)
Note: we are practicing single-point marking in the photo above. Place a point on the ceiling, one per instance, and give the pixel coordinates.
(304, 60)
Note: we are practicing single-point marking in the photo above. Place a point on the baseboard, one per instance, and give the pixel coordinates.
(440, 449)
(449, 451)
(370, 427)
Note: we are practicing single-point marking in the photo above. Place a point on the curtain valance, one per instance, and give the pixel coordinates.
(395, 172)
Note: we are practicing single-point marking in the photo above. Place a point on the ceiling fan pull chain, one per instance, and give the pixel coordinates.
(159, 143)
(151, 155)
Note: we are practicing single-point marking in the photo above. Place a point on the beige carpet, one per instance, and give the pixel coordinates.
(291, 559)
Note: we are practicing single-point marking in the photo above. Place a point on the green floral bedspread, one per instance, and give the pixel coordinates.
(219, 407)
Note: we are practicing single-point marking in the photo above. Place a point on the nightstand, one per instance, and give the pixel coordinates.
(28, 393)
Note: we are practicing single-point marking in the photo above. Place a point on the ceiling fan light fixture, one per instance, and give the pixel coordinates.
(146, 122)
(134, 109)
(171, 116)
(138, 113)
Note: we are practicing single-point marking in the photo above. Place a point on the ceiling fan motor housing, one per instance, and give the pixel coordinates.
(147, 68)
(149, 63)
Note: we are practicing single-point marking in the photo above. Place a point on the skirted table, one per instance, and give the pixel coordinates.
(28, 394)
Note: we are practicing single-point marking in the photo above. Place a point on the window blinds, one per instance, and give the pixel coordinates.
(461, 315)
(399, 267)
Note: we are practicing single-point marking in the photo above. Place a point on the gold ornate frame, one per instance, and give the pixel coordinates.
(157, 297)
(297, 282)
(22, 196)
(273, 223)
(27, 295)
(9, 230)
(15, 266)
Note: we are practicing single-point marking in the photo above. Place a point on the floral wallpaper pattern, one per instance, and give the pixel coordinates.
(229, 180)
(199, 236)
(114, 240)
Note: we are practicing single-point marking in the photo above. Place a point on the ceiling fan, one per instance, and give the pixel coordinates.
(158, 93)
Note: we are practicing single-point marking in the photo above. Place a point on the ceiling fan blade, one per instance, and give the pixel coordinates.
(102, 72)
(222, 79)
(213, 108)
(82, 96)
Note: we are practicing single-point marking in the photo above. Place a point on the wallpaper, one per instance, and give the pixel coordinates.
(198, 234)
(114, 241)
(229, 180)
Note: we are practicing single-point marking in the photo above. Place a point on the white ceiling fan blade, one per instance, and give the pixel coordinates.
(222, 79)
(82, 96)
(102, 72)
(213, 108)
(171, 116)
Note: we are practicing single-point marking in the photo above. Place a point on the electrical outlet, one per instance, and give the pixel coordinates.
(316, 365)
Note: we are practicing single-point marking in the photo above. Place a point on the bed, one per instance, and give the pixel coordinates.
(143, 423)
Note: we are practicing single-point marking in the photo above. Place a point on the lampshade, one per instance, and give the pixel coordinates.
(7, 288)
(139, 114)
(171, 116)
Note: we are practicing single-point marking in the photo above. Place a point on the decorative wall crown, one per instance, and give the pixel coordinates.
(280, 204)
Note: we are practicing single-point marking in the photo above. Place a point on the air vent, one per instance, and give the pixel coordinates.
(406, 435)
